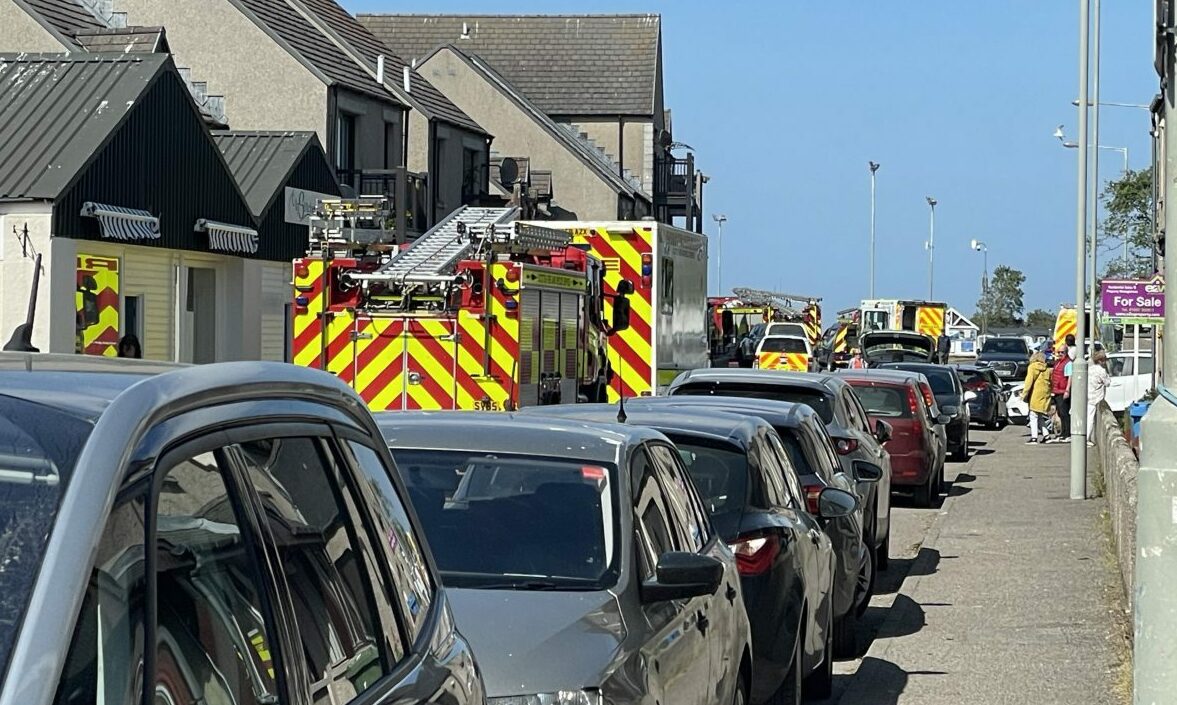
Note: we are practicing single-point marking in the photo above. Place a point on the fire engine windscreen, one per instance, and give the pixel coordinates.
(515, 522)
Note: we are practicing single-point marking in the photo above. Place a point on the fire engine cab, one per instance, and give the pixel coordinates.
(482, 312)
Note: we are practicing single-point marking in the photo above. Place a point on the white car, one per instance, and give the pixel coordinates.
(784, 352)
(785, 329)
(1131, 373)
(1017, 410)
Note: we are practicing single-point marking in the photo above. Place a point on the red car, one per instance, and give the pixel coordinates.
(917, 455)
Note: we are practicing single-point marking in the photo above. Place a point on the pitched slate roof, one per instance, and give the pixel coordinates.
(261, 162)
(422, 94)
(56, 110)
(125, 39)
(62, 17)
(565, 134)
(566, 64)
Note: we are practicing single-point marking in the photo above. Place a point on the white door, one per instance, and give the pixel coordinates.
(197, 290)
(1122, 391)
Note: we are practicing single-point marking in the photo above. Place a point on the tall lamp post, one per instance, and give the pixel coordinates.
(1079, 367)
(721, 219)
(931, 245)
(873, 166)
(984, 250)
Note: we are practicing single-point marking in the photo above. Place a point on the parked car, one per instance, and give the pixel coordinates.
(917, 456)
(1008, 357)
(577, 556)
(756, 503)
(816, 462)
(226, 512)
(784, 352)
(746, 346)
(845, 420)
(988, 406)
(887, 346)
(1017, 409)
(789, 328)
(952, 399)
(1131, 374)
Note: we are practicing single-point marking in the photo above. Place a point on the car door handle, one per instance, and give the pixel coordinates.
(703, 622)
(731, 593)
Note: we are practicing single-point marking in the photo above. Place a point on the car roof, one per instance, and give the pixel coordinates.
(714, 425)
(972, 368)
(598, 440)
(885, 380)
(921, 367)
(786, 336)
(876, 373)
(78, 385)
(819, 381)
(778, 413)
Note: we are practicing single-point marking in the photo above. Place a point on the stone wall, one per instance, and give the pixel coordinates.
(1118, 466)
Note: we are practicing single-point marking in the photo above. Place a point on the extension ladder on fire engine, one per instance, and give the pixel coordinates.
(436, 251)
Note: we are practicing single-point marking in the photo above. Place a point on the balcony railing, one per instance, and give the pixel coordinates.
(406, 191)
(674, 182)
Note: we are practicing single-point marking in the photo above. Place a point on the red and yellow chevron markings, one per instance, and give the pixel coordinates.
(930, 321)
(795, 362)
(97, 299)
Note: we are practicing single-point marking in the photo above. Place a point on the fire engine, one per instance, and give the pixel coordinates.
(927, 317)
(737, 323)
(668, 327)
(482, 312)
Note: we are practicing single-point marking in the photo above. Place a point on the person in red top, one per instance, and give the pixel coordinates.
(856, 362)
(1060, 388)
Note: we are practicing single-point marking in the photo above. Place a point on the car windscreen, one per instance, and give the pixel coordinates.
(974, 377)
(819, 400)
(884, 401)
(515, 521)
(998, 345)
(783, 345)
(38, 449)
(720, 473)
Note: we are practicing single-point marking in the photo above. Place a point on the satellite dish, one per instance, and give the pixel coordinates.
(665, 139)
(508, 171)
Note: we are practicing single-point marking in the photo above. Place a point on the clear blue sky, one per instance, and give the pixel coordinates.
(785, 102)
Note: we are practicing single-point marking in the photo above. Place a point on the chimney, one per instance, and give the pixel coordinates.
(408, 86)
(118, 20)
(380, 69)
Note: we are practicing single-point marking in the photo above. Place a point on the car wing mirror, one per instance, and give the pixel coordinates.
(834, 503)
(944, 419)
(883, 431)
(681, 576)
(867, 472)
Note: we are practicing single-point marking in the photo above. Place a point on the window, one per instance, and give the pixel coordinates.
(666, 293)
(653, 517)
(472, 165)
(719, 471)
(391, 142)
(875, 320)
(1144, 365)
(105, 661)
(854, 418)
(1120, 366)
(684, 504)
(213, 637)
(133, 316)
(819, 400)
(884, 401)
(396, 537)
(345, 143)
(328, 570)
(792, 483)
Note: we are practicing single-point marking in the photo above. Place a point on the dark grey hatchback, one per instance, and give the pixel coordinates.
(579, 558)
(227, 533)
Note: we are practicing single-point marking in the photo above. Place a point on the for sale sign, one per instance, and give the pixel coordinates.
(1128, 301)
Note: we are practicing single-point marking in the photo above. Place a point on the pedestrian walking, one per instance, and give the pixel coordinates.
(1060, 387)
(129, 346)
(1098, 382)
(1036, 393)
(1072, 349)
(856, 361)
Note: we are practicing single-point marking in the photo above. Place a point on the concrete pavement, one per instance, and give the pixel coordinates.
(1008, 597)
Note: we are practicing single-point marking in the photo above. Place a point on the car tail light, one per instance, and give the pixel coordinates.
(846, 446)
(755, 554)
(929, 399)
(913, 402)
(977, 385)
(812, 495)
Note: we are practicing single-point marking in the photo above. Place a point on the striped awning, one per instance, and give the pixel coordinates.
(228, 238)
(119, 223)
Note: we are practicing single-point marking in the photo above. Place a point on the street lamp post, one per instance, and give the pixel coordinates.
(984, 250)
(721, 219)
(873, 166)
(1079, 367)
(931, 245)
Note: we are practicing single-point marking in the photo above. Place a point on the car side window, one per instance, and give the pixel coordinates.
(857, 415)
(214, 634)
(329, 570)
(400, 543)
(784, 475)
(826, 447)
(105, 661)
(651, 515)
(684, 503)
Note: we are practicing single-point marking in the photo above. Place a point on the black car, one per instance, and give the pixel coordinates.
(744, 475)
(580, 559)
(988, 405)
(227, 533)
(950, 397)
(1008, 357)
(813, 457)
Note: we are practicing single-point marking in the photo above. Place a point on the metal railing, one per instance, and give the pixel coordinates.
(406, 191)
(674, 180)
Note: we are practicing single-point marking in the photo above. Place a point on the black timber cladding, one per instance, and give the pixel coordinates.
(264, 164)
(567, 64)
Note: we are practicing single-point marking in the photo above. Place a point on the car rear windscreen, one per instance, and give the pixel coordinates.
(884, 402)
(783, 345)
(720, 473)
(940, 378)
(796, 452)
(38, 449)
(1005, 346)
(514, 521)
(817, 399)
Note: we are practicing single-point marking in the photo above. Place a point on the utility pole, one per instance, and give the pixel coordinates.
(1079, 366)
(873, 166)
(721, 219)
(984, 250)
(931, 245)
(1095, 178)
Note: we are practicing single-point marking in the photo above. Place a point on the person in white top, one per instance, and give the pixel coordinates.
(1098, 381)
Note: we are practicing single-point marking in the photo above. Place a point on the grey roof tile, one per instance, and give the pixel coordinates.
(261, 162)
(567, 64)
(66, 17)
(126, 39)
(56, 110)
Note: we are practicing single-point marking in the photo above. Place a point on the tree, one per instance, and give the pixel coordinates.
(1001, 305)
(1040, 318)
(1128, 215)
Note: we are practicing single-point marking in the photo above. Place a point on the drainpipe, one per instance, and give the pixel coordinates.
(621, 146)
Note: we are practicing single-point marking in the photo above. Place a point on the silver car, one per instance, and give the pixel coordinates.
(579, 557)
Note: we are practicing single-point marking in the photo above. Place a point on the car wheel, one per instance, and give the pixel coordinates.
(961, 454)
(864, 588)
(790, 691)
(995, 424)
(820, 684)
